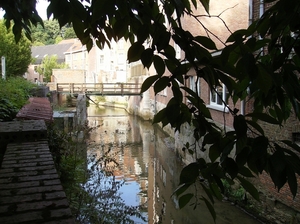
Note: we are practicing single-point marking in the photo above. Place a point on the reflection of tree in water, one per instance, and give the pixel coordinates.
(103, 202)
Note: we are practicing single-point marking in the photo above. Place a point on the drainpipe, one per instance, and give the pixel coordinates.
(261, 8)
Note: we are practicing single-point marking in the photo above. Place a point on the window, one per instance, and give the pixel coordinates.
(217, 98)
(121, 44)
(193, 85)
(101, 59)
(68, 58)
(121, 58)
(177, 50)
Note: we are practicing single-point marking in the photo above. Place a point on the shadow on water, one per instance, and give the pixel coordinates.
(150, 168)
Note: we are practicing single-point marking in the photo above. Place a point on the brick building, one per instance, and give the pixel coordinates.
(281, 204)
(38, 53)
(94, 66)
(150, 104)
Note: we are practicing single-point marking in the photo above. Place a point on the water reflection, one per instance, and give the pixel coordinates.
(150, 169)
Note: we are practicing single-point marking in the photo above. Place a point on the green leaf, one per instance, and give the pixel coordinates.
(208, 192)
(256, 126)
(135, 51)
(159, 65)
(161, 84)
(210, 208)
(292, 181)
(240, 125)
(245, 172)
(230, 167)
(214, 152)
(242, 156)
(216, 190)
(180, 189)
(189, 173)
(149, 82)
(160, 116)
(264, 80)
(184, 200)
(249, 188)
(206, 42)
(147, 57)
(205, 4)
(263, 117)
(277, 167)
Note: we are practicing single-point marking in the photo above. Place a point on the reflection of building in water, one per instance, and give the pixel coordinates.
(120, 134)
(163, 180)
(152, 171)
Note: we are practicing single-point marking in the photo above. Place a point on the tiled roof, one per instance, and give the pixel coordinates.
(76, 47)
(39, 52)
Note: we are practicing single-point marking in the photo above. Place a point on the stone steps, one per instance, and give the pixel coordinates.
(30, 189)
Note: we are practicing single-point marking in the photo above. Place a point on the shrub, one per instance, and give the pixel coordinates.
(14, 93)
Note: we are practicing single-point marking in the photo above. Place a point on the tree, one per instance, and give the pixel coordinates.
(17, 55)
(14, 93)
(68, 32)
(50, 33)
(272, 80)
(49, 63)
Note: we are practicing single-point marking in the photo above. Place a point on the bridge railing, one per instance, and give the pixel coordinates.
(100, 88)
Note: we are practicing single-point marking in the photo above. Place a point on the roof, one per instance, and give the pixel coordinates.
(76, 47)
(39, 52)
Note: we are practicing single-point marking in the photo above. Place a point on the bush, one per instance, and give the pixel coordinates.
(14, 93)
(7, 110)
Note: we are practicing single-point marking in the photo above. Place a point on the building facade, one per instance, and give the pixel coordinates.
(276, 206)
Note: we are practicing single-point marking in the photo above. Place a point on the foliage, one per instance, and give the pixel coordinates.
(49, 63)
(7, 110)
(237, 194)
(69, 100)
(47, 33)
(17, 55)
(91, 189)
(269, 80)
(68, 32)
(50, 33)
(16, 90)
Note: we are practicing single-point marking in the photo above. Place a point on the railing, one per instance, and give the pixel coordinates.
(108, 89)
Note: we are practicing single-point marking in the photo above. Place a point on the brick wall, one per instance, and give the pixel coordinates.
(275, 133)
(228, 11)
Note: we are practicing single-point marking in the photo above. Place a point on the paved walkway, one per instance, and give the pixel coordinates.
(30, 189)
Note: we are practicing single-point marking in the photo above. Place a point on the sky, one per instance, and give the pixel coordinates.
(41, 7)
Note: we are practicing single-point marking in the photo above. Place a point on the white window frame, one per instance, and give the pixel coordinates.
(177, 51)
(101, 60)
(214, 104)
(193, 85)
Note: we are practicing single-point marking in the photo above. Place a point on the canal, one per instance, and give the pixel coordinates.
(149, 168)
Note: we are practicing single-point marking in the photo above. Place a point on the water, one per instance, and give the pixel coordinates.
(151, 170)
